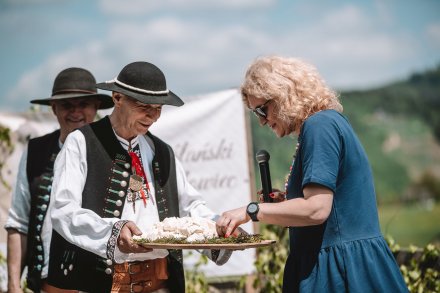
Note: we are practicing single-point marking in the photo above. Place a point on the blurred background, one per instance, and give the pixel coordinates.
(206, 45)
(382, 56)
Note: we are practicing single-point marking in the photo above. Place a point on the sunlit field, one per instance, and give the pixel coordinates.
(411, 224)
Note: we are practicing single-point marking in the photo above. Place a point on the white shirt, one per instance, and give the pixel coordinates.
(19, 211)
(85, 228)
(18, 217)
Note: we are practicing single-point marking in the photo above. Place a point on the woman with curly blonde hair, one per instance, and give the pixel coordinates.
(329, 202)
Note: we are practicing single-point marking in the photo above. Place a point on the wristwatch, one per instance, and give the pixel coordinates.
(252, 210)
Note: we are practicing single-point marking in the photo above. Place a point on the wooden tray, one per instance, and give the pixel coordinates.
(230, 246)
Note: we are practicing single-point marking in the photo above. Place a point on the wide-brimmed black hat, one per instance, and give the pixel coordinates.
(144, 82)
(75, 82)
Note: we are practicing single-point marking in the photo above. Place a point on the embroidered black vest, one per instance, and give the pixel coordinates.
(108, 171)
(42, 152)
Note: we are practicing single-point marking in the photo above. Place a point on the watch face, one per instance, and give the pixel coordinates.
(252, 208)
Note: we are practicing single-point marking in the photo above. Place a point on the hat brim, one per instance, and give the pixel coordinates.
(106, 100)
(168, 99)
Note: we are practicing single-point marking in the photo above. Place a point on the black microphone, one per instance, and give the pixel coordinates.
(263, 161)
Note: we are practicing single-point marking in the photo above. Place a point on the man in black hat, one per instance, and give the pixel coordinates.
(114, 179)
(74, 102)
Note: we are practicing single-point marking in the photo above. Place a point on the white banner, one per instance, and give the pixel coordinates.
(208, 135)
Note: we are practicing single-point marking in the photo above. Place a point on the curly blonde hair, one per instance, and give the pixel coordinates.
(295, 86)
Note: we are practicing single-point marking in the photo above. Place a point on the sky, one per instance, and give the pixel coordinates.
(205, 46)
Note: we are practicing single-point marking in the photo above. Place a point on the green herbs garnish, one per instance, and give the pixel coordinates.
(256, 238)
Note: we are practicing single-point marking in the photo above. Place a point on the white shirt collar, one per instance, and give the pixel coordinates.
(125, 143)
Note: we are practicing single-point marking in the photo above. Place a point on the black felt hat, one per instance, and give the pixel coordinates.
(75, 83)
(144, 82)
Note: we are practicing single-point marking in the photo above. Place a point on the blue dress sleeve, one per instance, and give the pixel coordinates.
(320, 151)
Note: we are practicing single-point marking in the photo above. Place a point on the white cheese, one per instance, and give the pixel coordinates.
(188, 228)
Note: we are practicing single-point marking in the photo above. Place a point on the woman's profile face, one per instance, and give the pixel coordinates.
(267, 113)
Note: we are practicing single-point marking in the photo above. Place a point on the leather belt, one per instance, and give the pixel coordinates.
(140, 276)
(139, 287)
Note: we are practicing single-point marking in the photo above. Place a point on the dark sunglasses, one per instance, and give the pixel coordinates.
(260, 111)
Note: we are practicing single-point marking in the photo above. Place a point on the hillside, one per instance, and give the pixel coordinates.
(399, 126)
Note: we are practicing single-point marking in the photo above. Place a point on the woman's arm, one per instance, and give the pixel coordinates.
(313, 209)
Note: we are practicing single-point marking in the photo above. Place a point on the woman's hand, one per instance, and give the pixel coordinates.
(125, 239)
(276, 195)
(229, 221)
(221, 231)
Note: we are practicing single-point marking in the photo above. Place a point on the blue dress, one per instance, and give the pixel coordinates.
(347, 253)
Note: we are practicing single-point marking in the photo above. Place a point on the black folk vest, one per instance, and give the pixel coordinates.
(108, 171)
(42, 152)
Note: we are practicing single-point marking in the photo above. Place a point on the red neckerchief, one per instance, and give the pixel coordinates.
(139, 170)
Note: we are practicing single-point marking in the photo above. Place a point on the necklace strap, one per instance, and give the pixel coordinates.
(286, 183)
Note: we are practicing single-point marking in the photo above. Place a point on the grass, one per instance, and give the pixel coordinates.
(411, 224)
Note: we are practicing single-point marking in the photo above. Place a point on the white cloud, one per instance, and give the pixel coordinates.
(433, 34)
(385, 9)
(350, 49)
(198, 56)
(193, 48)
(37, 82)
(29, 2)
(346, 18)
(138, 7)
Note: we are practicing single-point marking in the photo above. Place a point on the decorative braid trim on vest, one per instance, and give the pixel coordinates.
(111, 244)
(42, 152)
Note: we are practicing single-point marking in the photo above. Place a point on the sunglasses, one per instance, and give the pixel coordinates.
(260, 111)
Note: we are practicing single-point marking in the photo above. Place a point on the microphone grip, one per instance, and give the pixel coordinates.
(265, 181)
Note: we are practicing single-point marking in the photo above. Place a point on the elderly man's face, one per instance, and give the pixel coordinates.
(74, 113)
(136, 117)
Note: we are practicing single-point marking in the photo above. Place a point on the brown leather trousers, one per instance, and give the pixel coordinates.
(140, 277)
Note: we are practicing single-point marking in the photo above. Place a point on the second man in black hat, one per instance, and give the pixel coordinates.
(74, 102)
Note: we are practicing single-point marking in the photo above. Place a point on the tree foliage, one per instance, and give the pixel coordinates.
(6, 148)
(420, 267)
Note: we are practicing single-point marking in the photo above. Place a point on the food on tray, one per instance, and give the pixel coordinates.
(190, 229)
